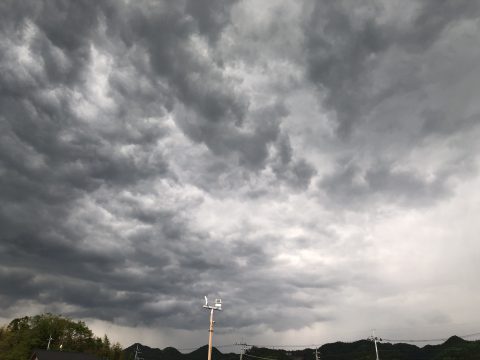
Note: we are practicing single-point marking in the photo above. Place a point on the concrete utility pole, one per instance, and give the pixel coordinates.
(374, 339)
(217, 306)
(49, 340)
(242, 349)
(136, 354)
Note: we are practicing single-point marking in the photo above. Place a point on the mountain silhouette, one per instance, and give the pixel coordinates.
(455, 348)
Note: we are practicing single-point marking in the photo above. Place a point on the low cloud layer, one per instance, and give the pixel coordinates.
(314, 164)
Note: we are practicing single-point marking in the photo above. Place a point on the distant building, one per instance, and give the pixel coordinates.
(61, 355)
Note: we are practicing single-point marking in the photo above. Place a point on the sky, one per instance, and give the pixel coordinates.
(314, 164)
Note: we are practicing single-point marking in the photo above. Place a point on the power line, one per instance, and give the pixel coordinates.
(414, 341)
(258, 357)
(305, 346)
(216, 346)
(433, 340)
(470, 335)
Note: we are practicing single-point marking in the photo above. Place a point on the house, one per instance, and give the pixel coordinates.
(61, 355)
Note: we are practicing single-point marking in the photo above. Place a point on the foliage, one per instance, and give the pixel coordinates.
(22, 335)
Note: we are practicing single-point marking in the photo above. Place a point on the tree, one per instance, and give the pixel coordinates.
(23, 335)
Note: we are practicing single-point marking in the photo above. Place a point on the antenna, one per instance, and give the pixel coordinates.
(217, 306)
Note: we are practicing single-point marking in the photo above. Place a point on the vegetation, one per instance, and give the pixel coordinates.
(169, 353)
(22, 336)
(454, 348)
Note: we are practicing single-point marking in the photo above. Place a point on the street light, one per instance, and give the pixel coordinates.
(216, 306)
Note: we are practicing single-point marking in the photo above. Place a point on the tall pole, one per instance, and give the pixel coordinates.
(49, 340)
(210, 336)
(375, 342)
(136, 353)
(217, 306)
(242, 349)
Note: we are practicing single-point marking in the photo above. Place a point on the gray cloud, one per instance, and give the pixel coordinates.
(380, 76)
(155, 152)
(355, 186)
(344, 50)
(298, 173)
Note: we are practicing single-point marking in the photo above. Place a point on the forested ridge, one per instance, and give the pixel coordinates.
(23, 335)
(455, 348)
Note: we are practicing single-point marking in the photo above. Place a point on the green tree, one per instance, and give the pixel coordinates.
(23, 335)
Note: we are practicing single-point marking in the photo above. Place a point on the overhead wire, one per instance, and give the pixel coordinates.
(258, 357)
(432, 340)
(305, 346)
(216, 346)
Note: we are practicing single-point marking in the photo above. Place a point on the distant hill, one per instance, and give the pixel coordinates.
(455, 348)
(170, 353)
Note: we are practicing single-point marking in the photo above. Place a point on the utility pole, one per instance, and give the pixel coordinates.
(374, 339)
(136, 354)
(217, 306)
(49, 340)
(317, 357)
(242, 349)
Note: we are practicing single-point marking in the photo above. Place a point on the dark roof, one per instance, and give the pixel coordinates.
(61, 355)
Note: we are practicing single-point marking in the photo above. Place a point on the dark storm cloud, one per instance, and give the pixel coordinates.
(56, 270)
(211, 16)
(62, 162)
(343, 50)
(371, 72)
(297, 173)
(123, 133)
(338, 59)
(433, 18)
(353, 185)
(39, 119)
(180, 42)
(168, 261)
(441, 123)
(197, 83)
(50, 17)
(52, 157)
